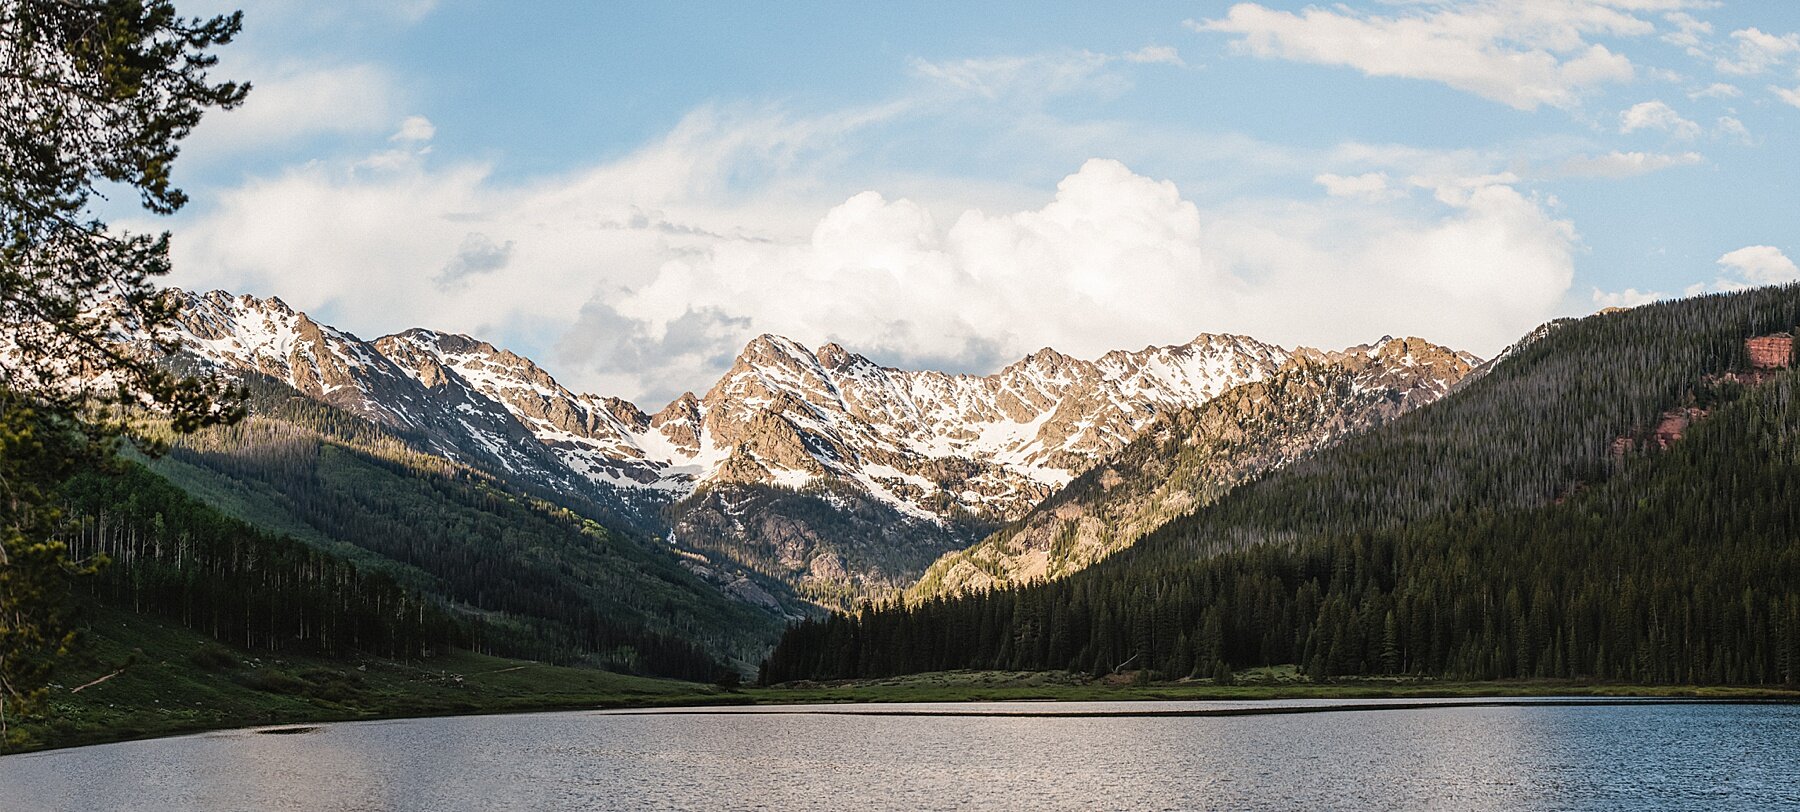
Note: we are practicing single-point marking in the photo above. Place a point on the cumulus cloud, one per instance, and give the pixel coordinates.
(1618, 164)
(685, 352)
(414, 129)
(1655, 115)
(1758, 51)
(1524, 55)
(1629, 297)
(1749, 267)
(1688, 31)
(1787, 95)
(1116, 259)
(1756, 265)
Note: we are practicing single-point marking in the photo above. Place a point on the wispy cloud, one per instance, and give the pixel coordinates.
(1618, 164)
(1036, 76)
(1524, 55)
(290, 103)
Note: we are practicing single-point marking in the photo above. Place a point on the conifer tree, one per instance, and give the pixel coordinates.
(91, 92)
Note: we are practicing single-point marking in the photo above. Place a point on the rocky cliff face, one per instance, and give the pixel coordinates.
(833, 474)
(1770, 351)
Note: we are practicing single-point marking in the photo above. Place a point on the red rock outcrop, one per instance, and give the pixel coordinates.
(1672, 423)
(1771, 351)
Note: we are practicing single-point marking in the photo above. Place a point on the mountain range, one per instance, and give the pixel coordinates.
(807, 477)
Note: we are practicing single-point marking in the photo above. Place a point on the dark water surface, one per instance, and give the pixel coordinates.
(1538, 756)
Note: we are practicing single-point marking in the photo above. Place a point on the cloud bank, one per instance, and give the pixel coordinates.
(644, 276)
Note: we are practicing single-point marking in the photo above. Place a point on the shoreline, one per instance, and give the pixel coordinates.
(833, 701)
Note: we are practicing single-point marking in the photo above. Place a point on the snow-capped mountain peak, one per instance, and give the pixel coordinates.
(934, 448)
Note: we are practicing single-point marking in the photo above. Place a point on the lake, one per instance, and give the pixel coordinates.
(1404, 755)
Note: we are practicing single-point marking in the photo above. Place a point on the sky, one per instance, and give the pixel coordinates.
(627, 193)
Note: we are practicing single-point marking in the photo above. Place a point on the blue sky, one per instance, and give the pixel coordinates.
(627, 193)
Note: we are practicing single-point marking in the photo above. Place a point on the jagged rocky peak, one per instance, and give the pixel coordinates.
(624, 411)
(413, 357)
(685, 408)
(217, 314)
(484, 365)
(770, 351)
(1049, 364)
(834, 357)
(680, 422)
(265, 336)
(1415, 350)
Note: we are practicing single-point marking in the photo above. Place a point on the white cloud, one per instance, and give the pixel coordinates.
(1758, 51)
(1156, 55)
(289, 104)
(1618, 164)
(1717, 90)
(1524, 55)
(1371, 186)
(1629, 297)
(1116, 259)
(1733, 129)
(1749, 267)
(992, 77)
(414, 129)
(1688, 30)
(1758, 265)
(662, 264)
(1037, 76)
(333, 14)
(1655, 115)
(1790, 96)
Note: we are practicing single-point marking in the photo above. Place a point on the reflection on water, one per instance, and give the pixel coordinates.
(1542, 757)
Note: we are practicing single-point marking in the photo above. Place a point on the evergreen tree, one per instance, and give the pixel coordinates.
(90, 92)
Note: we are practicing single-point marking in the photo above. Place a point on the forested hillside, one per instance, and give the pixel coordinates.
(1505, 531)
(545, 582)
(168, 555)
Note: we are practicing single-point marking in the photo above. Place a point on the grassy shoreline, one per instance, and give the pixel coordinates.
(140, 679)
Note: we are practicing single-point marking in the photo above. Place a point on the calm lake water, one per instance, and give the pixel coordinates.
(1633, 756)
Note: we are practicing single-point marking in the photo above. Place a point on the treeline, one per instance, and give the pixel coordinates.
(170, 556)
(1490, 535)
